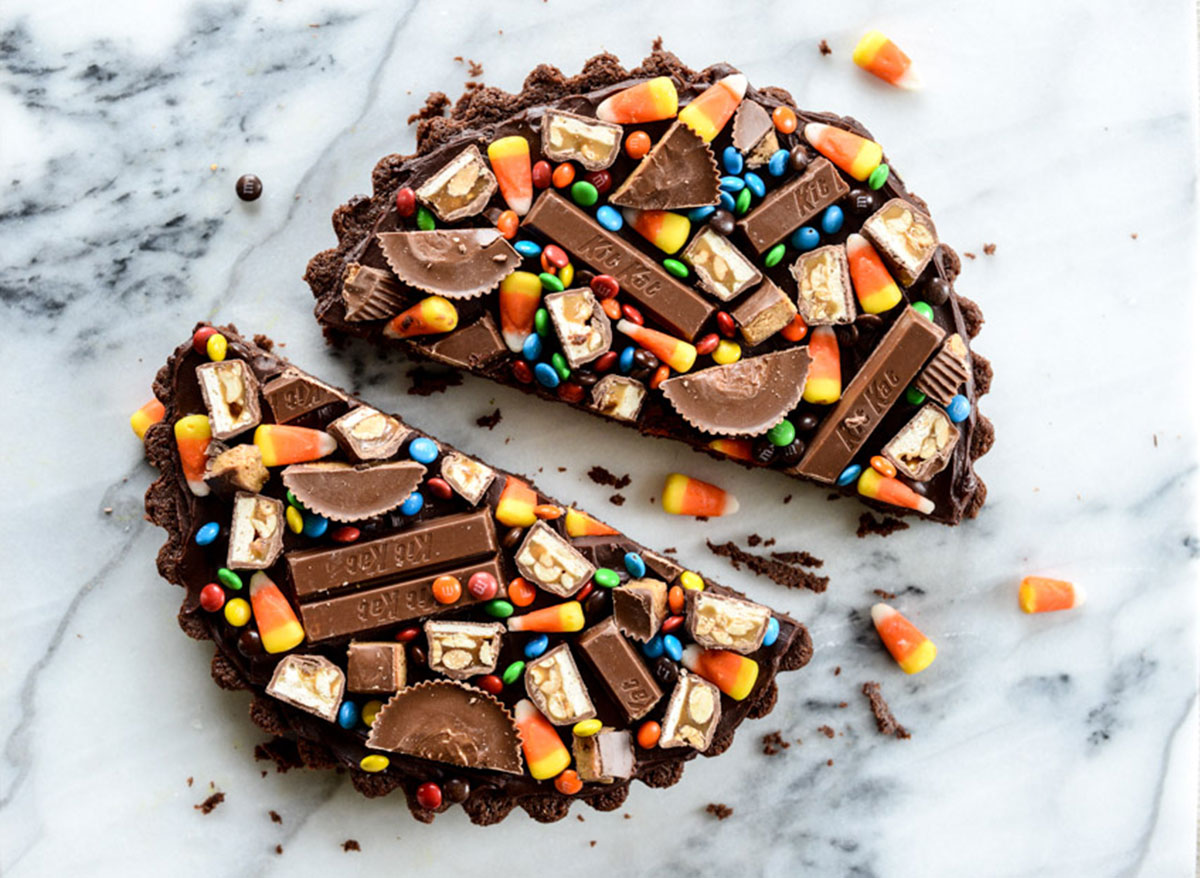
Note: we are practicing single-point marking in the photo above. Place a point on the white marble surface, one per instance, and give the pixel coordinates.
(1041, 746)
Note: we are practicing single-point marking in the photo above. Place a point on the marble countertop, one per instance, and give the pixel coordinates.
(1059, 745)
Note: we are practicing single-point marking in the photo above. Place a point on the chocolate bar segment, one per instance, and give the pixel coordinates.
(754, 134)
(424, 546)
(763, 313)
(623, 674)
(294, 393)
(471, 347)
(881, 381)
(230, 393)
(679, 308)
(639, 607)
(376, 668)
(792, 204)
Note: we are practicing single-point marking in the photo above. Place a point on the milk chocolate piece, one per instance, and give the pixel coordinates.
(720, 267)
(467, 476)
(763, 313)
(454, 263)
(679, 308)
(341, 492)
(922, 447)
(667, 569)
(826, 295)
(570, 137)
(449, 722)
(793, 204)
(583, 329)
(366, 611)
(310, 682)
(471, 347)
(550, 562)
(255, 532)
(553, 684)
(370, 293)
(679, 172)
(367, 434)
(745, 398)
(376, 668)
(873, 391)
(754, 134)
(623, 674)
(423, 546)
(230, 393)
(692, 713)
(619, 397)
(295, 393)
(460, 188)
(947, 372)
(717, 621)
(604, 756)
(904, 236)
(463, 649)
(239, 468)
(639, 607)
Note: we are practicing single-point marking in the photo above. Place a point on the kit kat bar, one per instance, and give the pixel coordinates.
(793, 204)
(679, 308)
(454, 538)
(294, 393)
(881, 381)
(623, 674)
(386, 605)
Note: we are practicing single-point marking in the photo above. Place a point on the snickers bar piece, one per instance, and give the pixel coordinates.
(445, 610)
(694, 231)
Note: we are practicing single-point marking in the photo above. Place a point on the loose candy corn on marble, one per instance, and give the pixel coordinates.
(911, 649)
(878, 55)
(683, 495)
(1038, 594)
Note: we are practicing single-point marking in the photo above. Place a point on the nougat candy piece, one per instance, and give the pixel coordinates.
(904, 236)
(365, 433)
(720, 267)
(763, 313)
(460, 188)
(376, 668)
(583, 329)
(310, 682)
(825, 295)
(468, 477)
(463, 649)
(923, 446)
(605, 756)
(240, 468)
(639, 607)
(554, 685)
(255, 533)
(618, 397)
(718, 621)
(692, 713)
(569, 137)
(552, 563)
(230, 393)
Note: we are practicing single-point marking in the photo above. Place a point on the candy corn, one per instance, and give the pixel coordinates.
(520, 297)
(733, 674)
(146, 417)
(675, 352)
(278, 626)
(516, 504)
(1040, 595)
(432, 315)
(855, 155)
(665, 230)
(823, 386)
(873, 285)
(545, 753)
(683, 495)
(561, 618)
(911, 649)
(580, 524)
(876, 54)
(891, 490)
(713, 107)
(738, 449)
(647, 101)
(192, 435)
(281, 444)
(510, 163)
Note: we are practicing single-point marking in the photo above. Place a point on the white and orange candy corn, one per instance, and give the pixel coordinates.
(823, 384)
(193, 433)
(545, 753)
(429, 316)
(580, 524)
(680, 355)
(510, 163)
(733, 674)
(665, 230)
(855, 155)
(563, 618)
(520, 297)
(683, 495)
(1038, 594)
(516, 505)
(281, 444)
(873, 284)
(911, 649)
(878, 55)
(647, 101)
(889, 489)
(713, 107)
(278, 626)
(146, 417)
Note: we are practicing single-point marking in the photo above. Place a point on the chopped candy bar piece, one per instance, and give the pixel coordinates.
(618, 397)
(583, 328)
(256, 532)
(911, 649)
(593, 143)
(683, 495)
(720, 267)
(365, 433)
(239, 468)
(922, 447)
(605, 756)
(792, 204)
(679, 172)
(341, 492)
(460, 188)
(947, 372)
(468, 477)
(621, 670)
(826, 296)
(763, 313)
(722, 622)
(230, 393)
(463, 649)
(904, 236)
(855, 155)
(458, 263)
(553, 683)
(376, 668)
(293, 393)
(370, 293)
(692, 714)
(1038, 594)
(754, 134)
(647, 101)
(309, 682)
(639, 607)
(878, 55)
(548, 560)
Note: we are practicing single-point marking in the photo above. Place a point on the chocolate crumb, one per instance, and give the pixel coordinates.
(275, 818)
(837, 672)
(351, 845)
(823, 46)
(989, 249)
(191, 781)
(804, 559)
(627, 816)
(108, 510)
(886, 595)
(753, 540)
(210, 804)
(670, 550)
(579, 817)
(489, 421)
(592, 843)
(773, 743)
(769, 542)
(829, 762)
(843, 704)
(783, 574)
(701, 518)
(969, 254)
(601, 476)
(868, 525)
(827, 731)
(562, 469)
(1133, 235)
(617, 500)
(787, 499)
(435, 105)
(885, 722)
(264, 342)
(427, 382)
(279, 849)
(719, 810)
